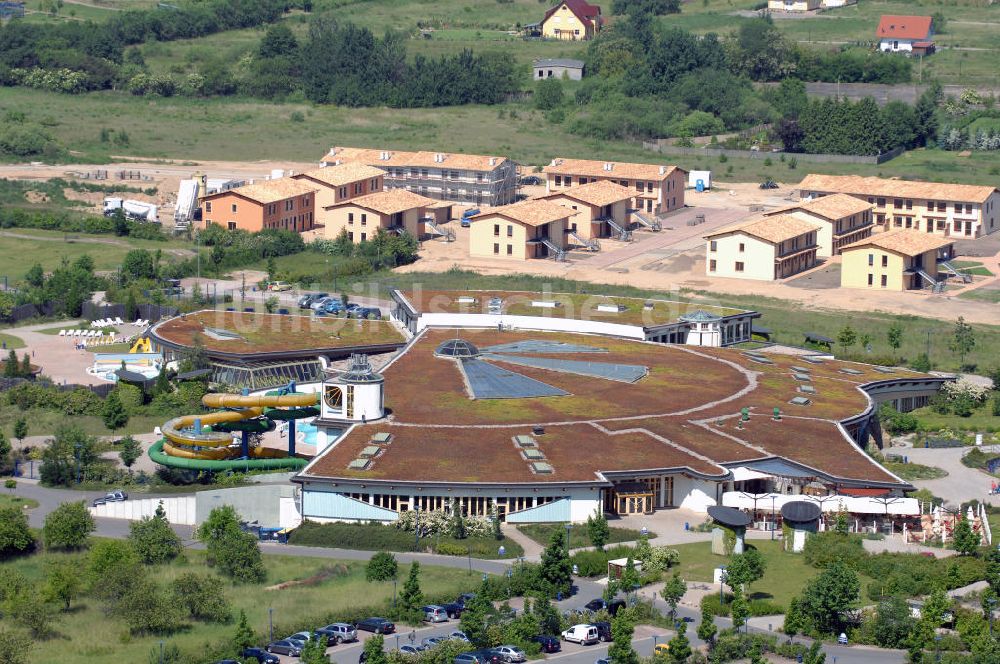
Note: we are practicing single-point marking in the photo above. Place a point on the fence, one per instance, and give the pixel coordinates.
(150, 312)
(883, 93)
(101, 390)
(661, 146)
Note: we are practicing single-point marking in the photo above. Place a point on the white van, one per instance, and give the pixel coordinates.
(582, 634)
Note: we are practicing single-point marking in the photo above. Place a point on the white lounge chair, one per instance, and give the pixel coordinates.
(62, 333)
(118, 321)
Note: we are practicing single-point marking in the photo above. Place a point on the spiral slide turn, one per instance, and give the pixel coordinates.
(205, 442)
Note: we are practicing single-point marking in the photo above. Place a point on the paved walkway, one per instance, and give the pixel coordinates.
(962, 484)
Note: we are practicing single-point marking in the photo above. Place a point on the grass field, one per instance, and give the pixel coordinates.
(44, 422)
(8, 499)
(542, 533)
(784, 576)
(10, 341)
(982, 295)
(96, 638)
(23, 247)
(973, 267)
(233, 129)
(982, 419)
(915, 471)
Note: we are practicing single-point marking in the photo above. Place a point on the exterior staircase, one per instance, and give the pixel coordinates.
(557, 253)
(624, 234)
(951, 269)
(431, 226)
(589, 245)
(931, 281)
(652, 223)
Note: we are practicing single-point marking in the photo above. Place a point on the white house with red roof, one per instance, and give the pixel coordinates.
(571, 20)
(907, 34)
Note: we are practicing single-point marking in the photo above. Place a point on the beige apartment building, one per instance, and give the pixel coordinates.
(393, 211)
(461, 178)
(656, 189)
(841, 220)
(949, 210)
(771, 248)
(336, 184)
(896, 260)
(600, 209)
(283, 204)
(530, 229)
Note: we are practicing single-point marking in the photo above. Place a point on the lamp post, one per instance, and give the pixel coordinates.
(991, 602)
(394, 593)
(161, 652)
(468, 550)
(270, 624)
(416, 528)
(774, 519)
(937, 647)
(397, 641)
(569, 527)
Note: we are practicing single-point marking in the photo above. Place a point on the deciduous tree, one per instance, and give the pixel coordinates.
(68, 526)
(597, 529)
(130, 452)
(382, 566)
(15, 535)
(828, 595)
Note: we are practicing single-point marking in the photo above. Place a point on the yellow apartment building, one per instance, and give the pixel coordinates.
(395, 210)
(766, 249)
(571, 20)
(600, 209)
(530, 229)
(656, 189)
(336, 184)
(840, 218)
(895, 260)
(950, 210)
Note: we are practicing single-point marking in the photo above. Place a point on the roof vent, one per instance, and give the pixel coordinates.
(359, 464)
(369, 451)
(611, 308)
(800, 369)
(807, 389)
(851, 372)
(466, 299)
(524, 441)
(800, 401)
(541, 468)
(533, 454)
(546, 304)
(608, 166)
(493, 161)
(805, 378)
(382, 438)
(538, 431)
(647, 305)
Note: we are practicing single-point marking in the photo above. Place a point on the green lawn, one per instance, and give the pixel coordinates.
(542, 533)
(972, 267)
(915, 471)
(44, 422)
(23, 247)
(11, 341)
(8, 499)
(785, 575)
(982, 419)
(982, 295)
(97, 639)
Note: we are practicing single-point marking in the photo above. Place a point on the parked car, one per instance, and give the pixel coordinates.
(603, 630)
(614, 606)
(365, 312)
(284, 647)
(261, 655)
(530, 179)
(485, 656)
(662, 649)
(434, 613)
(279, 286)
(377, 625)
(432, 641)
(467, 217)
(595, 605)
(459, 636)
(228, 661)
(320, 303)
(337, 633)
(465, 598)
(583, 634)
(603, 660)
(300, 638)
(307, 300)
(113, 497)
(510, 654)
(454, 609)
(548, 644)
(411, 649)
(334, 306)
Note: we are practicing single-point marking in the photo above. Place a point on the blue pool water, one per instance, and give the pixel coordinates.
(308, 430)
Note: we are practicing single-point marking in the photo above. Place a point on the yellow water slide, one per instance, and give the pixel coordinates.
(182, 441)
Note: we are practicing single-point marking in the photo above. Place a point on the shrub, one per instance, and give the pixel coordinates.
(824, 549)
(68, 526)
(15, 535)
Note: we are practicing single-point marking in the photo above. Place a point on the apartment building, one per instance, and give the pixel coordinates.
(950, 210)
(336, 184)
(841, 219)
(656, 189)
(285, 204)
(393, 210)
(896, 260)
(461, 178)
(529, 229)
(766, 249)
(600, 209)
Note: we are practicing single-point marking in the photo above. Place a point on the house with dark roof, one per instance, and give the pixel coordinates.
(907, 34)
(571, 20)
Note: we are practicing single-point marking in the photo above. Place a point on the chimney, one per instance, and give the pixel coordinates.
(663, 170)
(493, 161)
(608, 166)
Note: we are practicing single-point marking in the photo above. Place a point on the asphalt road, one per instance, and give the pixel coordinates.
(585, 590)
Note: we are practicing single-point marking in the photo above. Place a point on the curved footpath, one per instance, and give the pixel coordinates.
(48, 499)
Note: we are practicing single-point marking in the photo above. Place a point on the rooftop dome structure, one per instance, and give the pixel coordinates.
(699, 316)
(458, 349)
(359, 371)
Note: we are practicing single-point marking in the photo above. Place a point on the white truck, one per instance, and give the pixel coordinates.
(135, 210)
(187, 203)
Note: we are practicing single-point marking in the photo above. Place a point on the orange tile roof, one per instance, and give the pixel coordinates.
(269, 191)
(902, 241)
(372, 157)
(592, 168)
(872, 186)
(341, 174)
(904, 27)
(602, 192)
(834, 206)
(532, 212)
(389, 201)
(774, 229)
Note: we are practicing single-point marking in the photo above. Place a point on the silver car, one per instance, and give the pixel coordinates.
(434, 613)
(510, 654)
(320, 303)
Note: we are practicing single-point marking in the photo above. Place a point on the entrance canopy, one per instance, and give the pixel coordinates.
(855, 505)
(742, 474)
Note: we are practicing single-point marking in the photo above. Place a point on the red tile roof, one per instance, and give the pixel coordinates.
(584, 11)
(904, 27)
